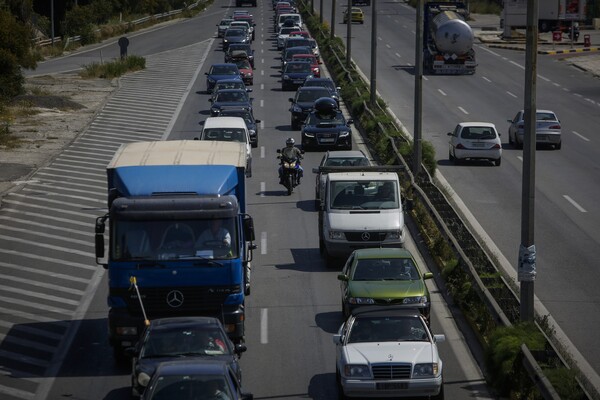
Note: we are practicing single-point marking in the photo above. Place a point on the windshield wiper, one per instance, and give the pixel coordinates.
(151, 264)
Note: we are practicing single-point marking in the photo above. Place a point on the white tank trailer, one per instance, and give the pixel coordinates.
(448, 41)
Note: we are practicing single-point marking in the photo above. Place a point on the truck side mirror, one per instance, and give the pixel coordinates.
(99, 238)
(249, 228)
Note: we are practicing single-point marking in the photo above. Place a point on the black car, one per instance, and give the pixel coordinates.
(234, 35)
(240, 46)
(303, 101)
(324, 82)
(192, 338)
(297, 42)
(288, 53)
(294, 74)
(326, 127)
(230, 98)
(203, 379)
(246, 114)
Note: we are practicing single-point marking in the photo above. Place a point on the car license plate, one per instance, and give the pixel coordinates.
(542, 137)
(391, 385)
(479, 144)
(298, 81)
(327, 140)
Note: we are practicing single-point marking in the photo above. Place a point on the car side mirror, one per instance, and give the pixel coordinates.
(337, 339)
(427, 275)
(206, 73)
(342, 277)
(439, 338)
(291, 100)
(449, 133)
(350, 122)
(315, 170)
(240, 348)
(257, 121)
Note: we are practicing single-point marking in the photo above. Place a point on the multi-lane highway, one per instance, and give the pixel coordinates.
(567, 232)
(53, 295)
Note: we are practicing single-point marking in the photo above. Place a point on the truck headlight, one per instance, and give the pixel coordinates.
(338, 235)
(361, 300)
(357, 371)
(395, 235)
(425, 370)
(415, 300)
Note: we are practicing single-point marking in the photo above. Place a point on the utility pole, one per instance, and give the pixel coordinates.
(332, 19)
(52, 23)
(349, 34)
(373, 88)
(417, 134)
(527, 255)
(321, 11)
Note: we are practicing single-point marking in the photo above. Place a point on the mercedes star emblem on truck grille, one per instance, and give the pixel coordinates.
(365, 236)
(175, 298)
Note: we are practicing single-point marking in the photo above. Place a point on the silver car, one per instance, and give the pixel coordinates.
(475, 141)
(342, 158)
(547, 131)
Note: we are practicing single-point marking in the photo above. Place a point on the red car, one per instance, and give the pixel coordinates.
(316, 70)
(245, 68)
(303, 34)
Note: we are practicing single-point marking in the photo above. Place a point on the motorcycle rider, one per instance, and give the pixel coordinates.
(290, 152)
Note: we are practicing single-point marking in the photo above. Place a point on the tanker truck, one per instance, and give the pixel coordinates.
(447, 39)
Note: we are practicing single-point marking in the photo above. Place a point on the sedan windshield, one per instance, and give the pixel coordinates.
(185, 341)
(232, 97)
(224, 70)
(387, 329)
(305, 96)
(189, 387)
(385, 269)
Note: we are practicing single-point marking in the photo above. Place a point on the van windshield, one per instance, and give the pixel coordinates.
(364, 195)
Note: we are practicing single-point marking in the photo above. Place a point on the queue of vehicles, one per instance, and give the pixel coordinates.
(164, 197)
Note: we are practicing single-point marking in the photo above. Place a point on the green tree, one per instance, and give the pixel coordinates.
(15, 53)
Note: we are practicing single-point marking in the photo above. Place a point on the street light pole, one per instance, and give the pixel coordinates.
(348, 34)
(52, 21)
(417, 134)
(321, 11)
(373, 98)
(527, 255)
(332, 19)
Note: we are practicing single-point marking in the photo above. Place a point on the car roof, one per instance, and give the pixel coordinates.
(192, 367)
(385, 311)
(311, 88)
(391, 252)
(224, 65)
(171, 322)
(304, 55)
(224, 122)
(482, 124)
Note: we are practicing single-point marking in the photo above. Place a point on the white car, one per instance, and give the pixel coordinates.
(229, 129)
(341, 158)
(547, 129)
(475, 141)
(388, 352)
(283, 34)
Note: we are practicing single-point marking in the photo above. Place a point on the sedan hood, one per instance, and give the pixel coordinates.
(390, 352)
(396, 289)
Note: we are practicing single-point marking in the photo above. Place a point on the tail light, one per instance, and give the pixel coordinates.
(460, 146)
(497, 146)
(521, 126)
(554, 127)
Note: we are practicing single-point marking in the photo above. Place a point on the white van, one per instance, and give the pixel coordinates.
(361, 208)
(229, 129)
(296, 17)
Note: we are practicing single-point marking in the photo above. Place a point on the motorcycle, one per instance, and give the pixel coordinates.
(290, 172)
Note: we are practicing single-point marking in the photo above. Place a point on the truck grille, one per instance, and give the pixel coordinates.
(173, 301)
(391, 371)
(366, 236)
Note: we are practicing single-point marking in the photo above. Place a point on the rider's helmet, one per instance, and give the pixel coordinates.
(290, 142)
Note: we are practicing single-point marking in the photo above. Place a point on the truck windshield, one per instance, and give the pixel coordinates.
(363, 195)
(174, 239)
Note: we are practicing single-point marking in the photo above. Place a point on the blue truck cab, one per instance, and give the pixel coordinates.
(177, 226)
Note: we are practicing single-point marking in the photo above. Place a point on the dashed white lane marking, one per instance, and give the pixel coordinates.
(543, 78)
(398, 55)
(463, 110)
(574, 203)
(264, 325)
(263, 243)
(262, 103)
(581, 136)
(388, 46)
(262, 151)
(262, 86)
(442, 92)
(511, 94)
(520, 158)
(486, 79)
(517, 64)
(263, 187)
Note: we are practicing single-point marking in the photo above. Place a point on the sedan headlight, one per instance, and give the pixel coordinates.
(361, 300)
(338, 235)
(225, 40)
(215, 110)
(252, 132)
(143, 379)
(248, 74)
(425, 370)
(286, 77)
(357, 371)
(296, 109)
(126, 330)
(415, 300)
(309, 135)
(344, 133)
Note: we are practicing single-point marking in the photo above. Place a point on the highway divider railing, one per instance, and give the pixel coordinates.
(488, 299)
(156, 17)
